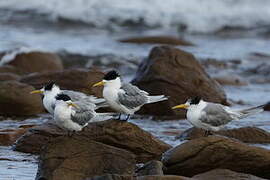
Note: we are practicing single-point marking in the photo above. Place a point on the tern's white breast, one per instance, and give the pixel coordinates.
(194, 113)
(48, 102)
(62, 117)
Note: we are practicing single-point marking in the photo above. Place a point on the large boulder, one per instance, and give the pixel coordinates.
(73, 158)
(10, 69)
(8, 76)
(15, 99)
(150, 168)
(112, 132)
(204, 154)
(149, 177)
(244, 134)
(157, 40)
(225, 174)
(177, 74)
(9, 136)
(72, 79)
(36, 62)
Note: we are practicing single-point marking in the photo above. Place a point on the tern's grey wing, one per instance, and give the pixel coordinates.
(215, 115)
(87, 99)
(83, 114)
(131, 96)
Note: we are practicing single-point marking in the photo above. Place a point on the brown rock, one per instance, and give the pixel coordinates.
(177, 74)
(15, 99)
(73, 158)
(112, 132)
(8, 76)
(10, 69)
(244, 134)
(150, 177)
(9, 136)
(225, 174)
(151, 168)
(157, 40)
(231, 80)
(72, 79)
(37, 62)
(203, 154)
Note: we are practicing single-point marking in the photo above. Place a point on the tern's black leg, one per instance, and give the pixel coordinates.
(128, 116)
(119, 117)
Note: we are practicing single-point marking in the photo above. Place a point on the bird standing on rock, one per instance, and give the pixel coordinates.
(51, 90)
(125, 97)
(74, 116)
(212, 116)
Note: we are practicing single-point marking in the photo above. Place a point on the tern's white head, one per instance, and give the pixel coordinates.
(111, 80)
(191, 103)
(50, 88)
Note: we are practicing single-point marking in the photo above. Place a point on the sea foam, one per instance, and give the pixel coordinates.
(197, 15)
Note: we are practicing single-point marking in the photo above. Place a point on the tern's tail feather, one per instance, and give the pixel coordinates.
(153, 99)
(250, 111)
(101, 104)
(103, 116)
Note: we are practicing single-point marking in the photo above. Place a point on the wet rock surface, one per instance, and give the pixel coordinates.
(10, 69)
(80, 158)
(8, 76)
(204, 154)
(150, 177)
(72, 79)
(15, 99)
(150, 168)
(225, 174)
(112, 132)
(244, 134)
(37, 62)
(9, 136)
(177, 74)
(157, 40)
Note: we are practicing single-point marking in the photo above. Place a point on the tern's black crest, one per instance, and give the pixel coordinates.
(49, 86)
(63, 97)
(111, 75)
(195, 100)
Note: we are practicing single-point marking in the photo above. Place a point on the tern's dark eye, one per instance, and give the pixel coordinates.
(111, 75)
(195, 100)
(63, 97)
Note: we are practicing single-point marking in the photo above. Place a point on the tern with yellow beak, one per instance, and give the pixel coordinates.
(212, 116)
(51, 90)
(74, 116)
(125, 97)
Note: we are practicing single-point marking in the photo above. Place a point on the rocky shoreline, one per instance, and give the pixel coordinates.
(116, 150)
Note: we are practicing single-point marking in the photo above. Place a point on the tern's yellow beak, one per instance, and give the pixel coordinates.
(181, 106)
(73, 105)
(36, 92)
(101, 83)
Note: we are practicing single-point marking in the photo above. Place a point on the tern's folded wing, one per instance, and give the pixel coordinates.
(131, 96)
(215, 115)
(83, 113)
(77, 96)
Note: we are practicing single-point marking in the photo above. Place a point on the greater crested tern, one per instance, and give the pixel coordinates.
(212, 116)
(51, 90)
(74, 116)
(125, 97)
